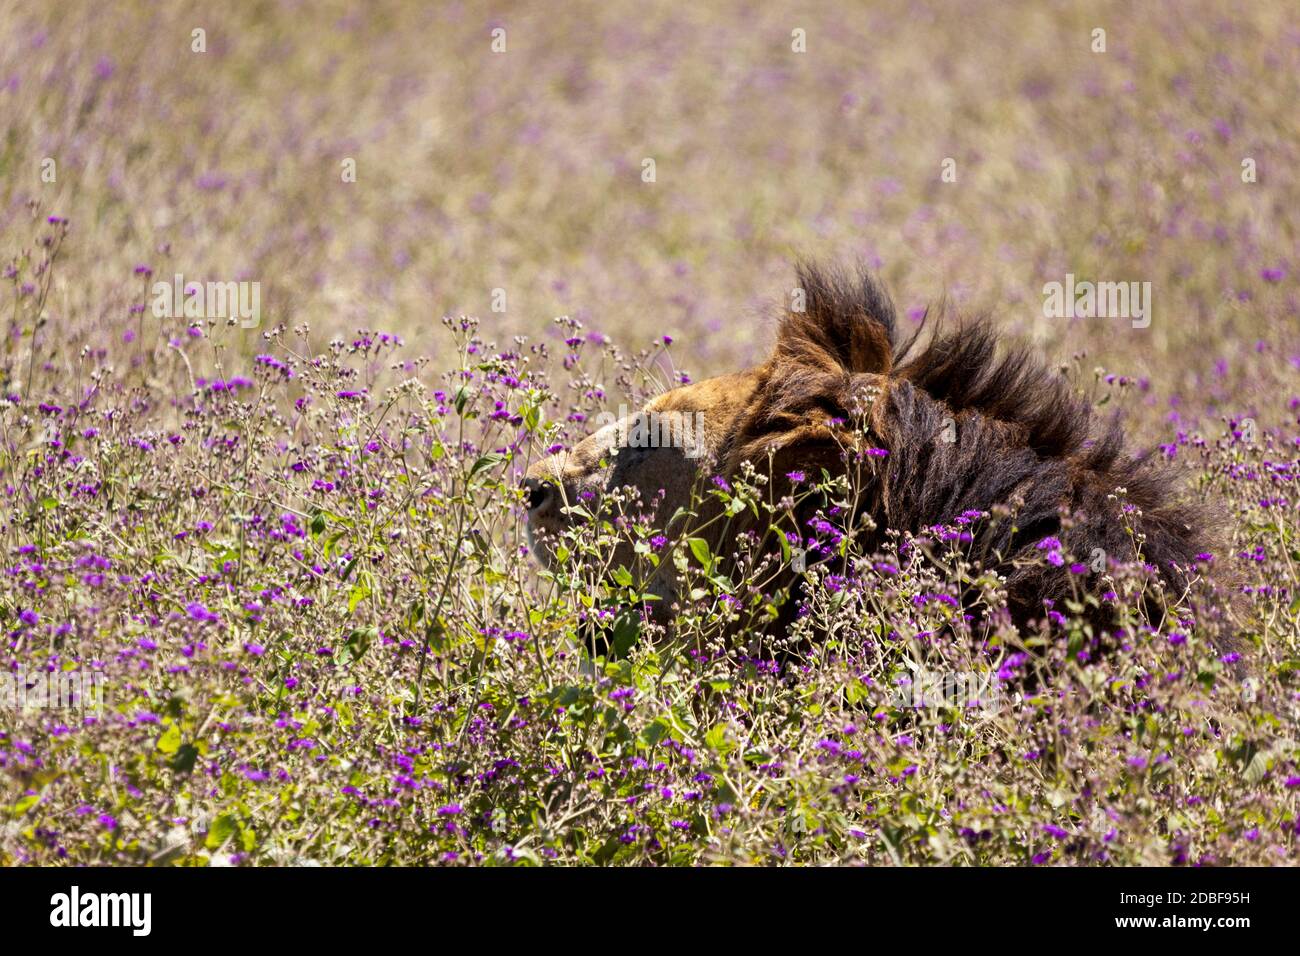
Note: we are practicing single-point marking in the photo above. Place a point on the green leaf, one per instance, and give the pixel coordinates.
(717, 739)
(489, 460)
(359, 594)
(223, 828)
(626, 631)
(655, 732)
(26, 803)
(435, 635)
(331, 542)
(170, 741)
(358, 642)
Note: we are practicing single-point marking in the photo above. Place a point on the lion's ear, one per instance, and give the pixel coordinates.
(806, 449)
(838, 322)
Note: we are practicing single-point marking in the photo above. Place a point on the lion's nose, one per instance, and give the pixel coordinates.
(539, 493)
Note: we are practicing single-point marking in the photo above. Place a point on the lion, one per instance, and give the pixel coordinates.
(926, 432)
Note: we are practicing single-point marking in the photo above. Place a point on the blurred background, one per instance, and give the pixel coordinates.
(524, 169)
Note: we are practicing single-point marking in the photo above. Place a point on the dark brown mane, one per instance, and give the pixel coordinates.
(850, 325)
(966, 426)
(962, 369)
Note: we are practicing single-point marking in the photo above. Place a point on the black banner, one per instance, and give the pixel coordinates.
(338, 906)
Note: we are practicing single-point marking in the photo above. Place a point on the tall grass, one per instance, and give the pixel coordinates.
(294, 555)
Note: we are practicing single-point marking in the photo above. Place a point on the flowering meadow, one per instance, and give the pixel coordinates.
(282, 551)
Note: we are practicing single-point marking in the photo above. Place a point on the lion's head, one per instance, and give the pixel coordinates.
(951, 429)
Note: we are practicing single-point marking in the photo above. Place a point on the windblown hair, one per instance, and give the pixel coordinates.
(966, 427)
